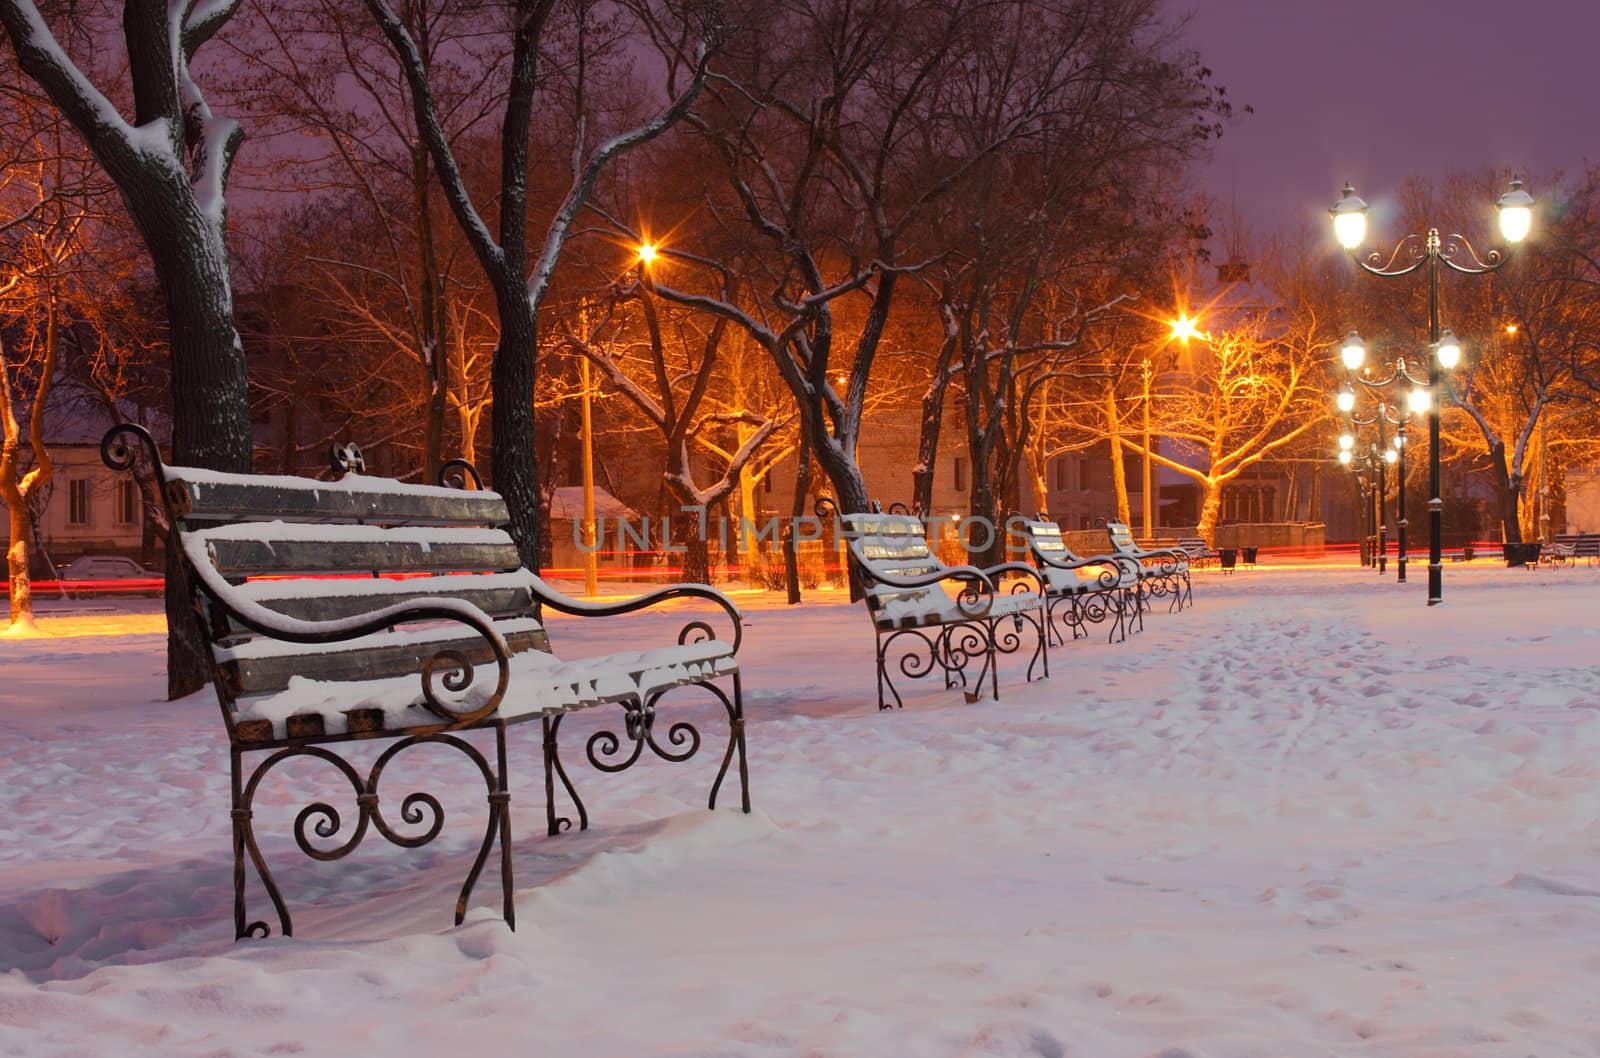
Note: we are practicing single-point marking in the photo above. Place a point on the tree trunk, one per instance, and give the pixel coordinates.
(511, 420)
(928, 438)
(1506, 493)
(1119, 469)
(17, 565)
(1038, 485)
(1210, 508)
(797, 510)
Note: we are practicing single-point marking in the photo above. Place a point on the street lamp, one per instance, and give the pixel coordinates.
(1361, 463)
(1418, 402)
(1456, 253)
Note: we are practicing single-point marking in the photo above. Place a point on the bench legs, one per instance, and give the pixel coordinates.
(680, 742)
(320, 821)
(951, 648)
(555, 824)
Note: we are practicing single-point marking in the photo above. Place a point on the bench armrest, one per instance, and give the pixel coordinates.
(699, 630)
(1115, 567)
(458, 670)
(975, 598)
(994, 573)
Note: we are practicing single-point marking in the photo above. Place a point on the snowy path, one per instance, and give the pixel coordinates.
(1309, 817)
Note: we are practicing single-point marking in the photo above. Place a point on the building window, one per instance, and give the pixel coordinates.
(961, 473)
(1062, 473)
(127, 503)
(78, 501)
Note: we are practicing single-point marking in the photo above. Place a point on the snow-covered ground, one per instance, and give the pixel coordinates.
(1309, 817)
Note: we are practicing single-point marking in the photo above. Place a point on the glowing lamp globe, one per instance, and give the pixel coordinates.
(1516, 213)
(1345, 400)
(1419, 400)
(1345, 457)
(1349, 219)
(1448, 351)
(1346, 442)
(1390, 455)
(1353, 351)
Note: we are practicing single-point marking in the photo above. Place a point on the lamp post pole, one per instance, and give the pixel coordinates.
(1430, 250)
(1400, 449)
(1435, 376)
(1149, 524)
(591, 572)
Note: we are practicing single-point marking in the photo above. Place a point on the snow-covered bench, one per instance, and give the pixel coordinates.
(1162, 571)
(1084, 591)
(366, 608)
(912, 613)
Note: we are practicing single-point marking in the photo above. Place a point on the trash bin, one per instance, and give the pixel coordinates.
(1466, 552)
(1227, 558)
(1249, 554)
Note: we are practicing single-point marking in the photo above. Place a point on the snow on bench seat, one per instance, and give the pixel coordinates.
(541, 685)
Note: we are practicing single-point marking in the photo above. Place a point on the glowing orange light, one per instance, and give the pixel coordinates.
(1184, 327)
(1511, 328)
(647, 252)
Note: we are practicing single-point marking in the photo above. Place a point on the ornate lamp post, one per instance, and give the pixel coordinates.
(1362, 464)
(1430, 250)
(1353, 352)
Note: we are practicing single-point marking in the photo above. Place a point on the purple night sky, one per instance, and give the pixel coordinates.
(1375, 91)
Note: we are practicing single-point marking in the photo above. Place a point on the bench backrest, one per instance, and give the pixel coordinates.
(892, 544)
(320, 551)
(1121, 537)
(1045, 542)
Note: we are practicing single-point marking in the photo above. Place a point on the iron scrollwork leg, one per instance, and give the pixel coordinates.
(324, 821)
(735, 708)
(553, 770)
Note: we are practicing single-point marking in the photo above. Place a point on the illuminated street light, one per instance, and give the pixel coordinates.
(1184, 327)
(647, 252)
(1349, 219)
(1428, 250)
(1353, 350)
(1448, 350)
(1347, 441)
(1388, 413)
(1516, 213)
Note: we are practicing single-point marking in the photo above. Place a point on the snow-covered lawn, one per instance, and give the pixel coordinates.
(1309, 817)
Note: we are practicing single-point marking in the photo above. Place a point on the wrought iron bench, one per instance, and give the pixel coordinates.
(1200, 553)
(903, 585)
(1162, 571)
(314, 643)
(1569, 547)
(1084, 591)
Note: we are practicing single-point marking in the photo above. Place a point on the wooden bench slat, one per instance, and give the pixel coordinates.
(207, 495)
(330, 599)
(265, 666)
(277, 548)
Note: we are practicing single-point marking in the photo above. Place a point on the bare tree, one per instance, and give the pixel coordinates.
(670, 374)
(1240, 396)
(171, 163)
(503, 256)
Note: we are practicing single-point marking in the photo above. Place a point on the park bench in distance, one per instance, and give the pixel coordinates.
(1570, 547)
(912, 614)
(1084, 591)
(312, 646)
(1163, 571)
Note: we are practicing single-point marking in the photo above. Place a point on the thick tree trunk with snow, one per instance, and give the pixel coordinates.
(1210, 509)
(171, 166)
(511, 420)
(17, 565)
